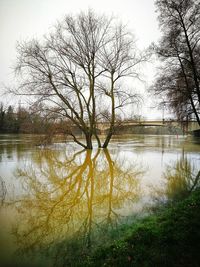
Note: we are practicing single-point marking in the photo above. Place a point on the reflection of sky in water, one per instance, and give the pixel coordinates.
(151, 153)
(154, 153)
(64, 192)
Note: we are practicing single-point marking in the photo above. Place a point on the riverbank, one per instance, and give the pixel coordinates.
(170, 238)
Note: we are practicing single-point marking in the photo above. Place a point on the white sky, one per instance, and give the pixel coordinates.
(24, 19)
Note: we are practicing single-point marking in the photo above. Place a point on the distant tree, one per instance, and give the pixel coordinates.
(10, 120)
(77, 70)
(179, 49)
(25, 122)
(2, 117)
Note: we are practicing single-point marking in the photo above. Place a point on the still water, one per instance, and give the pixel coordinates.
(57, 202)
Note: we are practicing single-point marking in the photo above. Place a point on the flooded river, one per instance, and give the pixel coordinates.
(58, 201)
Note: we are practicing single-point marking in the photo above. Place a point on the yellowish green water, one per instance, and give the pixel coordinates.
(58, 202)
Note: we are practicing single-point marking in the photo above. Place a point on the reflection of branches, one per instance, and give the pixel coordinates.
(111, 170)
(2, 191)
(196, 182)
(180, 180)
(71, 196)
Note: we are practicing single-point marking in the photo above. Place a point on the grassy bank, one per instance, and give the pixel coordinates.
(169, 238)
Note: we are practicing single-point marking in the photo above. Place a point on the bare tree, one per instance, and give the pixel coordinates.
(77, 70)
(179, 49)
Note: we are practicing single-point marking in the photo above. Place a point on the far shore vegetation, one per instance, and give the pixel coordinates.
(27, 120)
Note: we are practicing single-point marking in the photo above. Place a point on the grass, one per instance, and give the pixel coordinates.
(170, 238)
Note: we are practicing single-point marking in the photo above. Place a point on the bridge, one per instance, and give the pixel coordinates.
(187, 126)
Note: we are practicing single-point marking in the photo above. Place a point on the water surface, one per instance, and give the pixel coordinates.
(58, 202)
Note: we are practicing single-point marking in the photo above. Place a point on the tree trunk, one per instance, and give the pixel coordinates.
(112, 122)
(108, 137)
(88, 138)
(188, 89)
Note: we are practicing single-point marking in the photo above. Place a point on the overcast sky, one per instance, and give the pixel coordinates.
(24, 19)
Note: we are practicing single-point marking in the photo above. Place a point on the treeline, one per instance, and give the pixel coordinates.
(26, 120)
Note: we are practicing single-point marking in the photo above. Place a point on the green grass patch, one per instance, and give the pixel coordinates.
(168, 238)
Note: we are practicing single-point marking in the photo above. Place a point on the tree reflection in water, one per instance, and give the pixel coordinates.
(72, 202)
(180, 179)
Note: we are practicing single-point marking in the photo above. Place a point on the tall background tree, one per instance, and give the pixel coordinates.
(2, 116)
(77, 71)
(178, 80)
